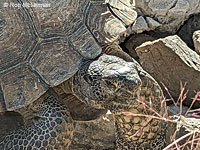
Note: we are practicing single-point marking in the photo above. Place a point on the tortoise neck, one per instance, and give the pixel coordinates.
(27, 114)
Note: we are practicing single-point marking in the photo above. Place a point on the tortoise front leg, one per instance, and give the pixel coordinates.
(52, 129)
(139, 130)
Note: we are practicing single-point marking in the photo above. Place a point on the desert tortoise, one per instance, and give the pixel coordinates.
(42, 48)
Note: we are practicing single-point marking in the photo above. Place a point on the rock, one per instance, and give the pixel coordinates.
(196, 40)
(179, 8)
(187, 30)
(175, 110)
(152, 23)
(125, 14)
(94, 135)
(144, 24)
(171, 14)
(171, 61)
(140, 25)
(161, 7)
(119, 7)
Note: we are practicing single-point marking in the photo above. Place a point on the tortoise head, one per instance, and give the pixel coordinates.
(109, 79)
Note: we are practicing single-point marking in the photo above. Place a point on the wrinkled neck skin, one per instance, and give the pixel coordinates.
(27, 114)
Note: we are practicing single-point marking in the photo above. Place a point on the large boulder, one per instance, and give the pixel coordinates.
(170, 61)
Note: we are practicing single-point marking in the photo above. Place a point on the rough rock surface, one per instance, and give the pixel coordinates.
(171, 61)
(136, 40)
(196, 40)
(144, 24)
(169, 14)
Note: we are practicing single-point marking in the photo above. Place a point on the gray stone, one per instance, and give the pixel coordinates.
(140, 25)
(176, 110)
(184, 130)
(161, 6)
(171, 14)
(152, 23)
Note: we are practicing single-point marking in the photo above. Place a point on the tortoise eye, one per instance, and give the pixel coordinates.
(110, 84)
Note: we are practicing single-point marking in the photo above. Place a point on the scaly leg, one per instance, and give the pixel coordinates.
(135, 132)
(51, 129)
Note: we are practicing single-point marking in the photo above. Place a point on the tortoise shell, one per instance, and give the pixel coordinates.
(42, 44)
